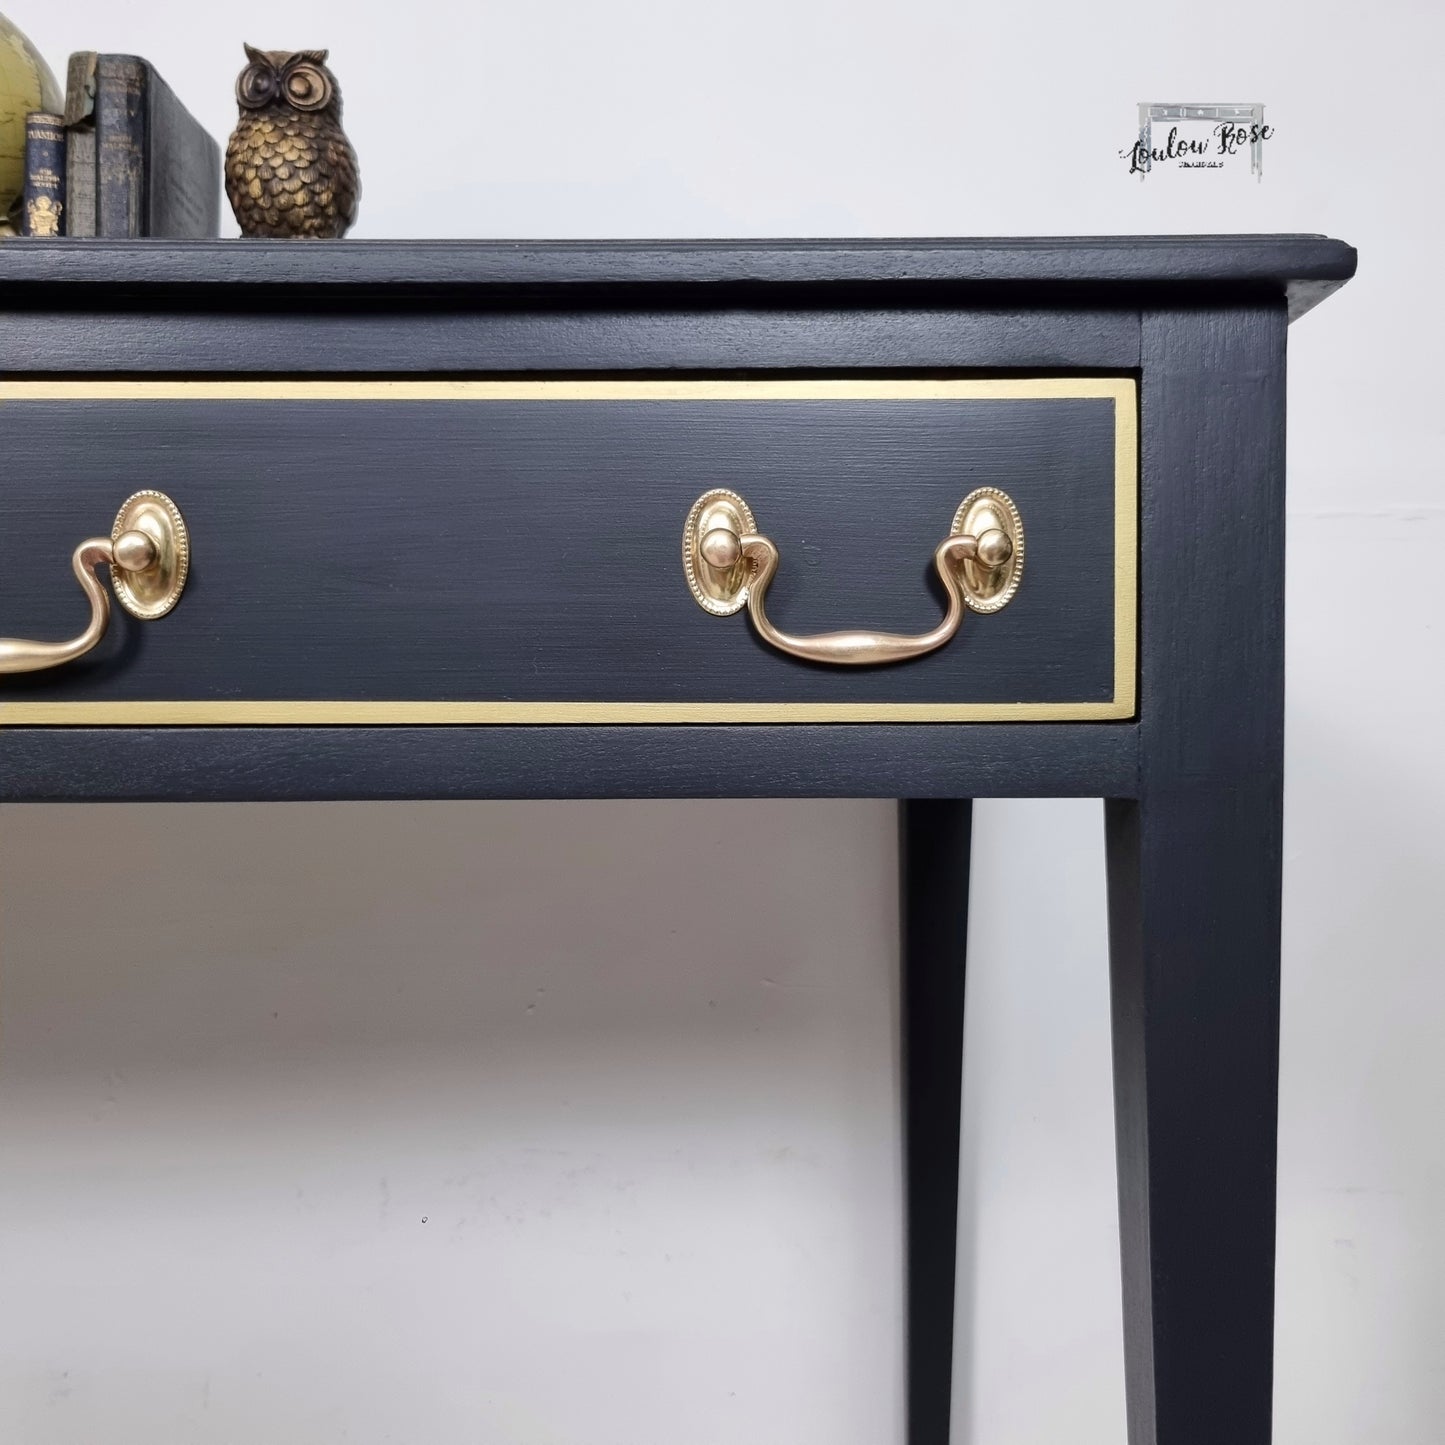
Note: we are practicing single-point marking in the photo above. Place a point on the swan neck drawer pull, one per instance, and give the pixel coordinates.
(729, 565)
(148, 552)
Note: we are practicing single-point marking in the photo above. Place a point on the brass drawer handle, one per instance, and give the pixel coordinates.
(149, 554)
(729, 566)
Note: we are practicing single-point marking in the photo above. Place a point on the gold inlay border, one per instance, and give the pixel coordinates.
(1121, 391)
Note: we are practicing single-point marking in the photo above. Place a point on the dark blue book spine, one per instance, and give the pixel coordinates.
(43, 206)
(121, 82)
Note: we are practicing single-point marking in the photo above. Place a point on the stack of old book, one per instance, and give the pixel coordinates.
(125, 159)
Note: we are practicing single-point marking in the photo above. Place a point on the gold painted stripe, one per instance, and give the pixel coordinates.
(1006, 389)
(1126, 547)
(317, 712)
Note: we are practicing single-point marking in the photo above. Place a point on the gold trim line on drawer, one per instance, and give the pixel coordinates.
(318, 712)
(992, 389)
(313, 712)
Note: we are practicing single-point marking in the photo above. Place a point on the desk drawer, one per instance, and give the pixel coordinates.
(433, 552)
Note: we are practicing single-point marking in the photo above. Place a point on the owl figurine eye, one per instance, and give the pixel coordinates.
(257, 85)
(307, 87)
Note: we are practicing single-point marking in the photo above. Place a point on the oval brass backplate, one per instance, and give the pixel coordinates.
(987, 589)
(152, 592)
(720, 590)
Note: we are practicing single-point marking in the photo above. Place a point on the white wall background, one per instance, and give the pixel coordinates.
(471, 1124)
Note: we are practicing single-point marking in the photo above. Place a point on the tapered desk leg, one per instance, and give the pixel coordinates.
(1194, 885)
(1194, 930)
(933, 851)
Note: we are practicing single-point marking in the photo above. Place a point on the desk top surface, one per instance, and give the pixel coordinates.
(1304, 269)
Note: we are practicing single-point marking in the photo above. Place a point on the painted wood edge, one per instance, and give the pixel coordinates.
(301, 764)
(1190, 262)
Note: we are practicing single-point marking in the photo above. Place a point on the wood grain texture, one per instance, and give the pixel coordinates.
(529, 552)
(1194, 877)
(250, 333)
(933, 847)
(1300, 268)
(278, 764)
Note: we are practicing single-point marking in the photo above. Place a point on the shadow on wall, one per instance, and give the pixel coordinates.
(1360, 1301)
(1039, 1338)
(548, 1120)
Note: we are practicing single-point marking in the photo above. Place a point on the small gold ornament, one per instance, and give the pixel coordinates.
(44, 216)
(290, 170)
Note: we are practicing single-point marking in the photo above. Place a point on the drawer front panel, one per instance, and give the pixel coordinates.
(413, 552)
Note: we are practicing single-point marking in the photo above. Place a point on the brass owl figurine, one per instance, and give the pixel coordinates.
(290, 170)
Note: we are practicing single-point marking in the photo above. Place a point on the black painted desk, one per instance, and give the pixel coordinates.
(471, 520)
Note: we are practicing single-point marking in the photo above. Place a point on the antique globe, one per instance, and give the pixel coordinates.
(26, 84)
